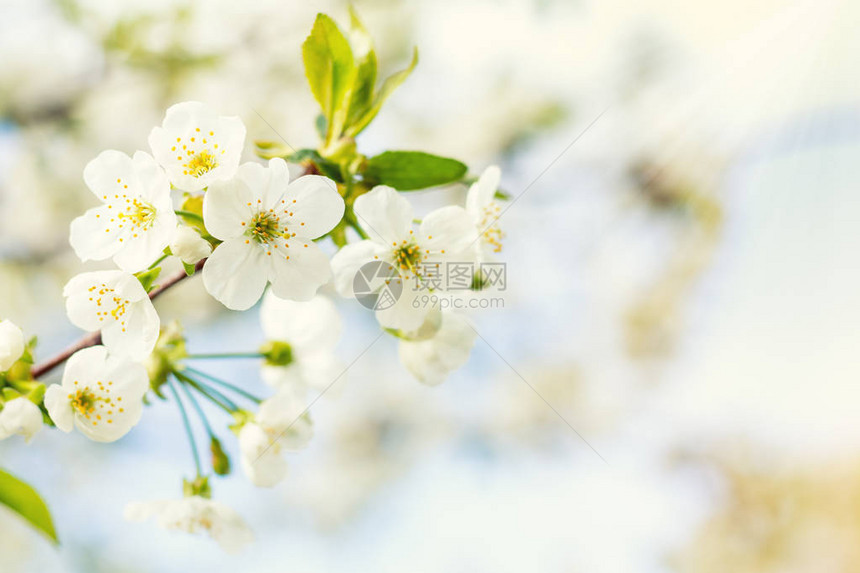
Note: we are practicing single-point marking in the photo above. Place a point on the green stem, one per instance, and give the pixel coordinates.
(188, 215)
(232, 387)
(199, 410)
(158, 260)
(187, 425)
(227, 355)
(359, 230)
(209, 393)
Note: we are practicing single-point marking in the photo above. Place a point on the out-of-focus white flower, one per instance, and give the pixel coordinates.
(387, 217)
(268, 225)
(101, 395)
(484, 211)
(116, 303)
(20, 416)
(196, 146)
(11, 344)
(307, 332)
(195, 514)
(136, 218)
(281, 424)
(189, 246)
(432, 359)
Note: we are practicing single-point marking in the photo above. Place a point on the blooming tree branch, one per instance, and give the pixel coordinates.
(43, 368)
(254, 232)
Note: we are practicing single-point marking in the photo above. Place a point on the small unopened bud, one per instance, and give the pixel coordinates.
(277, 353)
(189, 246)
(220, 460)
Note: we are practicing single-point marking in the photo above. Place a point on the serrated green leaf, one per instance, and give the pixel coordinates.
(330, 70)
(26, 502)
(390, 84)
(410, 170)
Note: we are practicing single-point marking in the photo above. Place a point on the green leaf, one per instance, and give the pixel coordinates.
(330, 70)
(390, 84)
(147, 278)
(189, 268)
(365, 79)
(26, 502)
(410, 170)
(321, 125)
(328, 168)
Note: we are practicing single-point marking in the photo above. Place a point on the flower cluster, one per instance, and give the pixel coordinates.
(253, 232)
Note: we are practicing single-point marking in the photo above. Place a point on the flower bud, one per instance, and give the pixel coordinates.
(189, 246)
(11, 344)
(277, 353)
(220, 461)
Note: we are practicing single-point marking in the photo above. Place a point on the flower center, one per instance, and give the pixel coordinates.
(408, 257)
(492, 234)
(265, 226)
(92, 406)
(84, 401)
(108, 304)
(138, 213)
(200, 163)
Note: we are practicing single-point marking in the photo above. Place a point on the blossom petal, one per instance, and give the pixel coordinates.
(482, 192)
(448, 228)
(297, 268)
(312, 206)
(348, 260)
(59, 408)
(310, 325)
(406, 314)
(91, 236)
(236, 273)
(261, 460)
(136, 338)
(226, 205)
(384, 214)
(432, 360)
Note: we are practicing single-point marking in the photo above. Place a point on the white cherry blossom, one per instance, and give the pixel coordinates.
(195, 514)
(20, 416)
(100, 395)
(189, 246)
(484, 211)
(11, 344)
(196, 146)
(311, 330)
(115, 303)
(387, 216)
(135, 220)
(281, 424)
(267, 225)
(431, 359)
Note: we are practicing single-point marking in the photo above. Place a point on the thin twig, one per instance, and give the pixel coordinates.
(95, 338)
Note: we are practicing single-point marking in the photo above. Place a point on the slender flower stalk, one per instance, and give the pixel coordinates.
(225, 384)
(200, 413)
(227, 355)
(209, 393)
(187, 425)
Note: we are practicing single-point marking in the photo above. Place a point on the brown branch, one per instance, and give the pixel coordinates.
(95, 338)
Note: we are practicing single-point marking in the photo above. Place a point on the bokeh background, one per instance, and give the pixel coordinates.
(682, 290)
